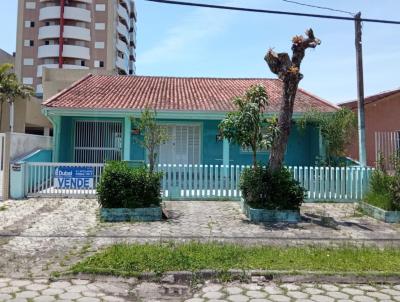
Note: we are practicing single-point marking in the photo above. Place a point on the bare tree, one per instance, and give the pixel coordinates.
(288, 70)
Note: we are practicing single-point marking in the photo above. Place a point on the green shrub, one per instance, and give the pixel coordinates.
(394, 191)
(384, 191)
(263, 189)
(123, 187)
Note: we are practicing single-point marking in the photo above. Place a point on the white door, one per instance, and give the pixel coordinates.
(183, 146)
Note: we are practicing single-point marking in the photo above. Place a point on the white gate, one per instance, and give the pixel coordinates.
(387, 145)
(97, 141)
(2, 163)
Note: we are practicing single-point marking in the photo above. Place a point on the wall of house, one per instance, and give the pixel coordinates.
(382, 115)
(303, 145)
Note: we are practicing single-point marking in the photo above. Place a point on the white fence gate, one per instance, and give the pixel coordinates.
(2, 163)
(40, 180)
(387, 145)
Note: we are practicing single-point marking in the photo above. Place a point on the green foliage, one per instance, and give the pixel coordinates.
(337, 130)
(247, 126)
(132, 259)
(153, 135)
(271, 190)
(123, 187)
(384, 190)
(10, 88)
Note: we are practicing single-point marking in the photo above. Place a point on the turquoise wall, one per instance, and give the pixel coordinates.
(303, 147)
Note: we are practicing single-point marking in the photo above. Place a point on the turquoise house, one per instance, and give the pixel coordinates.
(92, 120)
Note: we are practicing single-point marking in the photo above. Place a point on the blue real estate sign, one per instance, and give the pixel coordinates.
(73, 177)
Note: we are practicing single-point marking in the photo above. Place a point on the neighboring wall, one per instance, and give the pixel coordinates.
(380, 115)
(18, 145)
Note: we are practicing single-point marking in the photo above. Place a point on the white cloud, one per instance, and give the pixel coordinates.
(196, 28)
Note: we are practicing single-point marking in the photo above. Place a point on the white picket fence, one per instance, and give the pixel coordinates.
(222, 182)
(202, 182)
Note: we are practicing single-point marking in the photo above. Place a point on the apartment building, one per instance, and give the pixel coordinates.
(74, 35)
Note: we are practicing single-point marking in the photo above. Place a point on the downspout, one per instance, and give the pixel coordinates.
(62, 23)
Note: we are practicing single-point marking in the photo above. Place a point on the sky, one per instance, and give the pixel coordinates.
(187, 41)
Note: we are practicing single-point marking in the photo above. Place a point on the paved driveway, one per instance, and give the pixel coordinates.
(38, 236)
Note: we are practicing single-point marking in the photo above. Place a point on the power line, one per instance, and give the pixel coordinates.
(254, 10)
(320, 7)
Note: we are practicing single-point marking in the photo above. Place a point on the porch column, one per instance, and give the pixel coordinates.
(225, 153)
(56, 121)
(127, 138)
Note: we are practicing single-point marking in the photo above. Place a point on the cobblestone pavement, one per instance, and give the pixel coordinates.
(254, 292)
(41, 290)
(40, 236)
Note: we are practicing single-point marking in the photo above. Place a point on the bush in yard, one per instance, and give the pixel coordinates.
(123, 187)
(384, 189)
(271, 190)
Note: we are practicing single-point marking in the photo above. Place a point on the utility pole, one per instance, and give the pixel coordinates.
(360, 92)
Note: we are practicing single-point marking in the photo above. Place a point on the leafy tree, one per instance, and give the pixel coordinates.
(153, 135)
(337, 130)
(248, 126)
(10, 88)
(288, 70)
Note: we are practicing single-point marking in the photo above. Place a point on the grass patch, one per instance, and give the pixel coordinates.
(130, 260)
(380, 200)
(3, 208)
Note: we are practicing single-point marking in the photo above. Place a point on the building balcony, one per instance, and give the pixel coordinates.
(123, 13)
(123, 31)
(70, 13)
(69, 51)
(123, 47)
(123, 64)
(70, 32)
(39, 73)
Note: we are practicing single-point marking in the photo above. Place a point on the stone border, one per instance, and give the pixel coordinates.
(261, 215)
(380, 214)
(184, 277)
(125, 214)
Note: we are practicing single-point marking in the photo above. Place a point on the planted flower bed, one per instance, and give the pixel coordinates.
(380, 214)
(271, 196)
(129, 194)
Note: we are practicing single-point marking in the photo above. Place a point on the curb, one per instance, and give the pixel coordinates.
(257, 276)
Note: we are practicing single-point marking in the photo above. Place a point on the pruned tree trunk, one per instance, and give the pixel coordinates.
(288, 70)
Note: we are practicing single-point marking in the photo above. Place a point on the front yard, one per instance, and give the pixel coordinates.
(130, 260)
(48, 235)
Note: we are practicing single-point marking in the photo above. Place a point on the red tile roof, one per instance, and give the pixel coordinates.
(169, 93)
(371, 99)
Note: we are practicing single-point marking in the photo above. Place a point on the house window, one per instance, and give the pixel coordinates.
(30, 5)
(28, 62)
(100, 26)
(29, 43)
(29, 24)
(97, 141)
(98, 64)
(27, 81)
(99, 45)
(83, 63)
(100, 7)
(183, 146)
